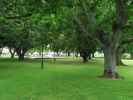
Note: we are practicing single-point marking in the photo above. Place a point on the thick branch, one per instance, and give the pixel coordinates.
(103, 37)
(81, 25)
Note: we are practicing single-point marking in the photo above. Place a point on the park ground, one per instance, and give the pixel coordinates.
(65, 79)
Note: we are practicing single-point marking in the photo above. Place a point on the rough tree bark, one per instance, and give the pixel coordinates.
(110, 62)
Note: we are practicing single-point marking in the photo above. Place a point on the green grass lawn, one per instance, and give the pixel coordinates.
(62, 80)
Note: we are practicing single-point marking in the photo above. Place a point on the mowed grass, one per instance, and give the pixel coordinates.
(65, 79)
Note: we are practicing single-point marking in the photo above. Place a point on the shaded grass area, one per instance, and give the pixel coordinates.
(65, 79)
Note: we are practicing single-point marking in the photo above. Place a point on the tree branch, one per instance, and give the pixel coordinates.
(18, 17)
(130, 40)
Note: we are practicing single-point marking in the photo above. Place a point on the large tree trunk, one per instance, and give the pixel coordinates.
(110, 62)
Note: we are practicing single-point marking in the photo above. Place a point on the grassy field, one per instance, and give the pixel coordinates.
(62, 80)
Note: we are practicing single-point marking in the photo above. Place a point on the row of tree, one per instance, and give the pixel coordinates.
(76, 26)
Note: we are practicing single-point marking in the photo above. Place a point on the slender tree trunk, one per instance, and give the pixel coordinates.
(58, 53)
(42, 61)
(12, 56)
(131, 54)
(93, 55)
(110, 62)
(21, 57)
(68, 54)
(21, 52)
(12, 52)
(89, 56)
(1, 50)
(54, 58)
(76, 54)
(119, 57)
